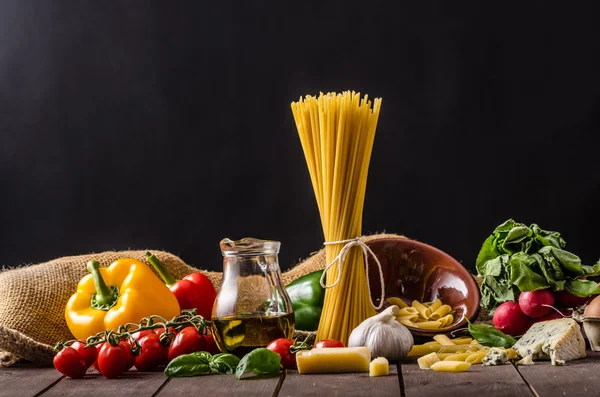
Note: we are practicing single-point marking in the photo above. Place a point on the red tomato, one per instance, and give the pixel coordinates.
(114, 360)
(89, 354)
(70, 363)
(127, 346)
(329, 343)
(188, 340)
(152, 353)
(140, 334)
(95, 364)
(282, 347)
(206, 290)
(160, 331)
(211, 346)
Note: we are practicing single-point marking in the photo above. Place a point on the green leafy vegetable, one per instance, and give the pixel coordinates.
(224, 363)
(260, 361)
(488, 335)
(582, 288)
(189, 365)
(518, 258)
(202, 363)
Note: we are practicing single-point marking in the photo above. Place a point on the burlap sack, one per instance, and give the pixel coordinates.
(33, 298)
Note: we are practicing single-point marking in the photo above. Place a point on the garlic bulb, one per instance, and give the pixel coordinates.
(383, 335)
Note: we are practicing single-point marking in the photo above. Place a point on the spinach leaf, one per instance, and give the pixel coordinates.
(523, 275)
(582, 288)
(260, 361)
(189, 365)
(518, 239)
(224, 363)
(493, 267)
(488, 335)
(545, 238)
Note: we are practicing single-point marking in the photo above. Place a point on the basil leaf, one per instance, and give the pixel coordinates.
(189, 365)
(224, 363)
(582, 288)
(260, 361)
(488, 335)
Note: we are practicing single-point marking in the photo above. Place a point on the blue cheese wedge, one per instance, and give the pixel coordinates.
(558, 340)
(495, 356)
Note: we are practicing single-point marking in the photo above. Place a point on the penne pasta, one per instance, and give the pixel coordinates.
(477, 357)
(444, 340)
(423, 310)
(449, 349)
(397, 301)
(435, 305)
(439, 312)
(512, 354)
(410, 317)
(429, 324)
(447, 320)
(426, 361)
(419, 351)
(442, 356)
(450, 366)
(458, 356)
(408, 323)
(433, 342)
(407, 311)
(462, 341)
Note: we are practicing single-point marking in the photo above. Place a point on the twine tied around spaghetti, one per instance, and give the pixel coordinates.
(349, 243)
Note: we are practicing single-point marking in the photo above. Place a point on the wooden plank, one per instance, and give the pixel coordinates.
(220, 385)
(577, 378)
(501, 381)
(26, 380)
(130, 384)
(347, 385)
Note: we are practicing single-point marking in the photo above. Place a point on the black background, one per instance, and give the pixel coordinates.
(167, 125)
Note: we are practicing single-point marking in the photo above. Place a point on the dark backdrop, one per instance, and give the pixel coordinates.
(167, 126)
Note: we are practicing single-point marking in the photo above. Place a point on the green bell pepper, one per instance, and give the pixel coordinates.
(307, 298)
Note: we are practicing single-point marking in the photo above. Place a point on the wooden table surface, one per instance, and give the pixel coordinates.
(578, 378)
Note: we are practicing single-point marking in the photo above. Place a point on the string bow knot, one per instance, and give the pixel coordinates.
(349, 243)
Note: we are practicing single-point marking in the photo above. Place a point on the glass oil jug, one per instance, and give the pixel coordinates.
(252, 307)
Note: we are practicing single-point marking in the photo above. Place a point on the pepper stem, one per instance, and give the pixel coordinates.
(161, 269)
(105, 297)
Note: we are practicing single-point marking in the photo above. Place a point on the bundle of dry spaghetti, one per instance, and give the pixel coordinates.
(337, 133)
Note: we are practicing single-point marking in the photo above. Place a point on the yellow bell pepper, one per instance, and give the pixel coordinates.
(125, 292)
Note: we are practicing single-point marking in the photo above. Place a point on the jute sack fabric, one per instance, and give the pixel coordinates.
(33, 298)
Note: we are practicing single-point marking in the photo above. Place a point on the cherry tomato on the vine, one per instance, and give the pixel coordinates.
(140, 334)
(131, 358)
(188, 340)
(70, 363)
(329, 343)
(89, 354)
(211, 346)
(152, 354)
(160, 331)
(282, 347)
(114, 360)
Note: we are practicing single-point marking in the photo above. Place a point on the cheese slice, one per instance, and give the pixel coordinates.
(558, 340)
(333, 360)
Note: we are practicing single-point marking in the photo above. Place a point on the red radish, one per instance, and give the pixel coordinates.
(510, 319)
(567, 300)
(532, 302)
